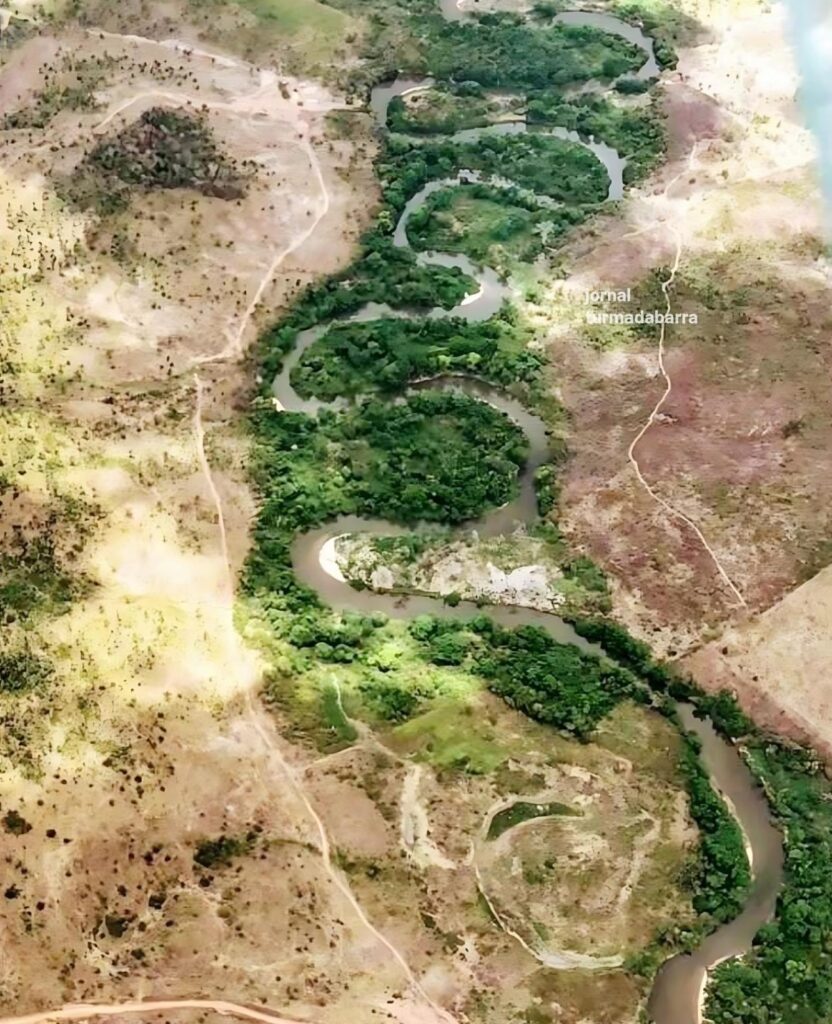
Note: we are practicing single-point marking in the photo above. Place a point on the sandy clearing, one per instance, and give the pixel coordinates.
(328, 559)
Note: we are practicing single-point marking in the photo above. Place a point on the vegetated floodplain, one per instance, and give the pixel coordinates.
(505, 51)
(437, 457)
(385, 355)
(383, 274)
(542, 164)
(636, 132)
(785, 976)
(498, 226)
(554, 186)
(446, 109)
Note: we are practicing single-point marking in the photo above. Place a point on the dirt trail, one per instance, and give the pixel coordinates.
(415, 826)
(560, 960)
(235, 346)
(247, 104)
(86, 1011)
(325, 849)
(671, 510)
(199, 435)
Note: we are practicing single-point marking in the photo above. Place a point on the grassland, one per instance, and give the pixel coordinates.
(311, 34)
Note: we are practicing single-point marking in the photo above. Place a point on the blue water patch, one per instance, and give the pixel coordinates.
(811, 24)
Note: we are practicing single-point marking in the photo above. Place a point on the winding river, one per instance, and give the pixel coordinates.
(678, 990)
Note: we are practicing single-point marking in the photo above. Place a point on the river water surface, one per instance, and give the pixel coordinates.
(677, 993)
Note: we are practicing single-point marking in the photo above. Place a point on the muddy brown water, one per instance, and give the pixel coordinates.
(678, 991)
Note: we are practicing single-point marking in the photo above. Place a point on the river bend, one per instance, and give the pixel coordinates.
(677, 994)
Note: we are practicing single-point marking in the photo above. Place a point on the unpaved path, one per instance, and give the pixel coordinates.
(415, 826)
(559, 960)
(199, 436)
(671, 510)
(87, 1011)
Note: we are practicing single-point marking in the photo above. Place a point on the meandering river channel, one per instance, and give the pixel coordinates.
(677, 993)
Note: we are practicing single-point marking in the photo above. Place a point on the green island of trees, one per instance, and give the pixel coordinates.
(446, 109)
(162, 149)
(505, 51)
(385, 355)
(521, 811)
(498, 226)
(542, 164)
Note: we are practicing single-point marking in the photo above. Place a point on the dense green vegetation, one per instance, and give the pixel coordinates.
(443, 110)
(553, 683)
(541, 164)
(482, 220)
(637, 133)
(496, 226)
(352, 358)
(163, 149)
(220, 852)
(22, 670)
(632, 653)
(32, 578)
(410, 36)
(439, 457)
(720, 878)
(487, 51)
(521, 811)
(385, 273)
(665, 21)
(546, 489)
(550, 682)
